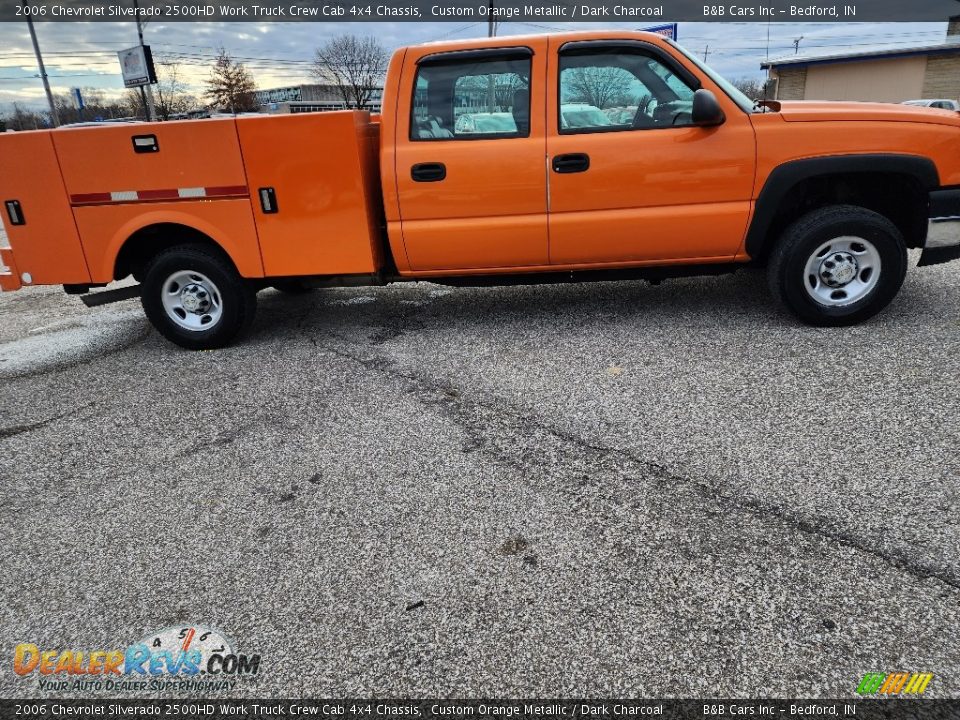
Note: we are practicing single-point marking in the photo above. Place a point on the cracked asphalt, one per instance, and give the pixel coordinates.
(599, 490)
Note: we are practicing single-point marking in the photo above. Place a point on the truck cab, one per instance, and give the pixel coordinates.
(563, 186)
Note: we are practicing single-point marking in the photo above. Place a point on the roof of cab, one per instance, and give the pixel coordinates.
(513, 40)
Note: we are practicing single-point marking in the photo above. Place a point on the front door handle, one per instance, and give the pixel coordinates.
(571, 163)
(428, 172)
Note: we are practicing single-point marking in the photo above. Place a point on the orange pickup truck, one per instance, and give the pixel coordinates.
(550, 158)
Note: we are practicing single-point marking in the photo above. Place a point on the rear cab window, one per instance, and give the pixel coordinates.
(472, 95)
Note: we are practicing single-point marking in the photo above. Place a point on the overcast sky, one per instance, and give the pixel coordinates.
(84, 54)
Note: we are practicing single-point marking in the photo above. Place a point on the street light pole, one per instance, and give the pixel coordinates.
(54, 117)
(146, 92)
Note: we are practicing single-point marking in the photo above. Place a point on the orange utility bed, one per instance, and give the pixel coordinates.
(82, 192)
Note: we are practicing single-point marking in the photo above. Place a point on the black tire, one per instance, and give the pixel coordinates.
(237, 298)
(292, 286)
(786, 271)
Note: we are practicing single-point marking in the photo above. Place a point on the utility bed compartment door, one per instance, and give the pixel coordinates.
(45, 242)
(157, 161)
(314, 183)
(122, 178)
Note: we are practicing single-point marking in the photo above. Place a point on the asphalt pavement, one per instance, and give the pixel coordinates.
(598, 490)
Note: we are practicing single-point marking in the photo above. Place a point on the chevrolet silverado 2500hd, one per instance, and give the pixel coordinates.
(553, 158)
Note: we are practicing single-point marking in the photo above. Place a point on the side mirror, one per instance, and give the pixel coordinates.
(706, 110)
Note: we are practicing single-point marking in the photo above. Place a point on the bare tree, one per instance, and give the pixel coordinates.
(23, 119)
(231, 85)
(172, 96)
(754, 89)
(133, 104)
(602, 87)
(496, 92)
(354, 64)
(96, 106)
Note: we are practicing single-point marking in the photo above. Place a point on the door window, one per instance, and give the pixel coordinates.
(472, 100)
(621, 90)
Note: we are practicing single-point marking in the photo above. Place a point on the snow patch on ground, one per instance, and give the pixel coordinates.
(359, 300)
(70, 341)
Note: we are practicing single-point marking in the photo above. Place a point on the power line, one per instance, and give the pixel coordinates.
(456, 30)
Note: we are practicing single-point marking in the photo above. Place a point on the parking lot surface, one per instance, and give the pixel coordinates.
(580, 490)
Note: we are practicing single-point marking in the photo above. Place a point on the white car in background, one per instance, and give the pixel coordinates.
(485, 123)
(582, 115)
(937, 104)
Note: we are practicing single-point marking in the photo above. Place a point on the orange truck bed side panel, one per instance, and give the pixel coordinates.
(326, 189)
(105, 228)
(115, 198)
(47, 245)
(191, 154)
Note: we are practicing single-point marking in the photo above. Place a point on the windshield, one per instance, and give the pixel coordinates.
(745, 103)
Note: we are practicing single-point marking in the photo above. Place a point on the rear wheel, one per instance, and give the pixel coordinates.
(196, 298)
(838, 265)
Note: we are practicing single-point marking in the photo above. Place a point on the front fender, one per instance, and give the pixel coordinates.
(788, 176)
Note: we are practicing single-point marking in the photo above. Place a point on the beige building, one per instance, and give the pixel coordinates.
(891, 74)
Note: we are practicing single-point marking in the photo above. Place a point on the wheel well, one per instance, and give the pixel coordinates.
(899, 197)
(146, 243)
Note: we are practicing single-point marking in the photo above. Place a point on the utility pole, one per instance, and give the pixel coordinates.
(54, 117)
(796, 45)
(766, 82)
(706, 53)
(491, 83)
(146, 92)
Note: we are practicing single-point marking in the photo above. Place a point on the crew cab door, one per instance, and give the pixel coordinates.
(631, 179)
(469, 162)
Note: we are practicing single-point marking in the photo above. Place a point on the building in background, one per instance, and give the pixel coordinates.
(909, 72)
(310, 98)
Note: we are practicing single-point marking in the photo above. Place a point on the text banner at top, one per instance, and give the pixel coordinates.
(642, 12)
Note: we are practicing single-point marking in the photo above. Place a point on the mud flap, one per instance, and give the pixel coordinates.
(943, 242)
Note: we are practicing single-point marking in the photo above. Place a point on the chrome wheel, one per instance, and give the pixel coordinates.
(842, 271)
(192, 300)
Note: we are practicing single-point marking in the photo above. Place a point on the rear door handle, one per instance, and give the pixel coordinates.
(428, 172)
(572, 163)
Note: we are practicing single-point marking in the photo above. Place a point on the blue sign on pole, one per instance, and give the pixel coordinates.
(77, 98)
(669, 30)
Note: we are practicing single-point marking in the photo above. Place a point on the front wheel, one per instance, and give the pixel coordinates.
(838, 265)
(195, 297)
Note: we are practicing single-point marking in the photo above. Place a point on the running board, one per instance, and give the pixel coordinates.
(111, 296)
